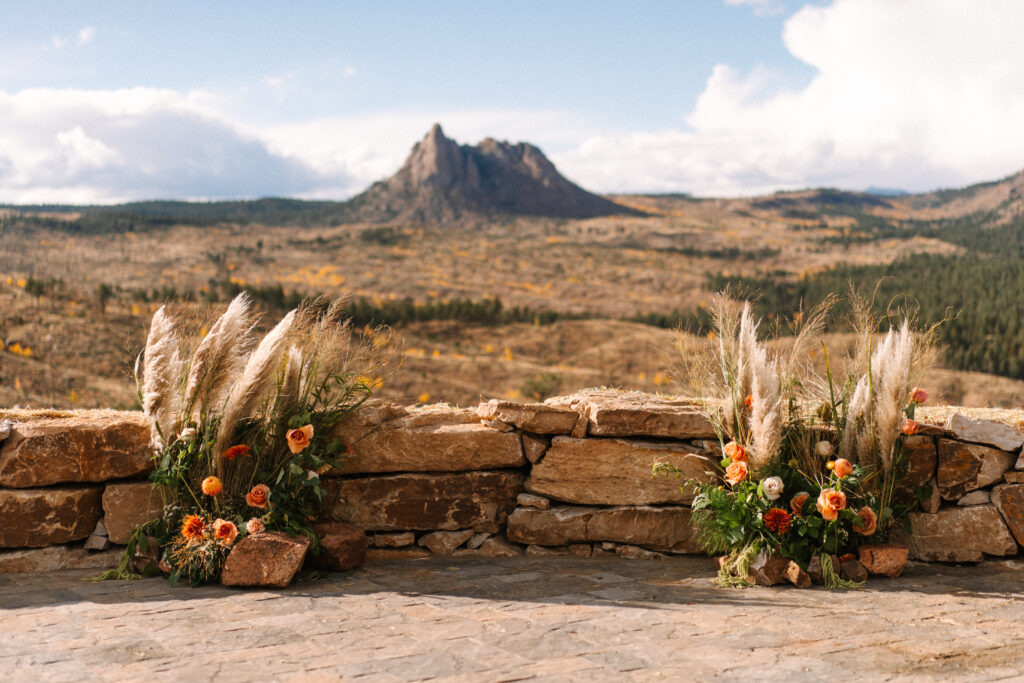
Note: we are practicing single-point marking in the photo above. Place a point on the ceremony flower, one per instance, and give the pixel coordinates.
(212, 486)
(192, 527)
(749, 401)
(235, 451)
(918, 395)
(796, 504)
(736, 472)
(823, 448)
(867, 522)
(298, 439)
(910, 427)
(843, 467)
(257, 498)
(777, 520)
(224, 531)
(735, 452)
(773, 487)
(254, 526)
(830, 502)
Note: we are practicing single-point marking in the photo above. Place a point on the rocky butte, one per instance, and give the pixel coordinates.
(443, 181)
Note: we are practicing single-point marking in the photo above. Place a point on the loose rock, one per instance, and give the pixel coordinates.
(270, 559)
(768, 568)
(396, 540)
(581, 549)
(445, 542)
(632, 552)
(975, 498)
(797, 576)
(529, 500)
(545, 551)
(343, 546)
(884, 560)
(477, 540)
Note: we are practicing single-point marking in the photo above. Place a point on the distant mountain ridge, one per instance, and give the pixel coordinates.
(444, 181)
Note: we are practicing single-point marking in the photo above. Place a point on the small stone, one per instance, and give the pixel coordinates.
(396, 540)
(853, 570)
(477, 540)
(530, 500)
(271, 559)
(768, 568)
(410, 553)
(545, 551)
(95, 542)
(884, 560)
(5, 428)
(343, 546)
(445, 542)
(535, 446)
(633, 552)
(933, 502)
(601, 552)
(581, 549)
(499, 425)
(1014, 477)
(797, 576)
(147, 559)
(975, 498)
(814, 569)
(609, 546)
(101, 528)
(996, 434)
(499, 547)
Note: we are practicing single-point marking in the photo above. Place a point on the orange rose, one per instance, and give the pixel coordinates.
(224, 531)
(254, 526)
(735, 452)
(235, 451)
(736, 472)
(298, 439)
(918, 395)
(796, 504)
(910, 427)
(212, 486)
(867, 521)
(843, 468)
(257, 498)
(830, 502)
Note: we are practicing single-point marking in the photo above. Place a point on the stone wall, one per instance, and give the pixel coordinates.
(571, 475)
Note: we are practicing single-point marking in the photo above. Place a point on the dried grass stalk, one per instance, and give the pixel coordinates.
(219, 358)
(161, 373)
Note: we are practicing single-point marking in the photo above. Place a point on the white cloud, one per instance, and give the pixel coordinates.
(915, 94)
(86, 34)
(761, 7)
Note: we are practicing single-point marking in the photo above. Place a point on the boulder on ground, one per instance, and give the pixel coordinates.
(342, 546)
(884, 560)
(271, 558)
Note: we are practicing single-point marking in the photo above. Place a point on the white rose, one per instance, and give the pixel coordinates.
(823, 448)
(772, 487)
(187, 434)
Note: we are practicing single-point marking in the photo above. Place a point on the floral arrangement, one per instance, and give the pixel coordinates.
(810, 464)
(242, 426)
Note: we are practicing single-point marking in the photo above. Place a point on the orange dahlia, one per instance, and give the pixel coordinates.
(192, 528)
(235, 451)
(777, 520)
(212, 486)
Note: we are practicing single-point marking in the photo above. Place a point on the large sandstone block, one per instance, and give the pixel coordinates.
(271, 559)
(33, 518)
(964, 467)
(387, 438)
(660, 528)
(129, 505)
(997, 434)
(622, 413)
(616, 472)
(92, 447)
(959, 535)
(469, 500)
(1009, 500)
(539, 418)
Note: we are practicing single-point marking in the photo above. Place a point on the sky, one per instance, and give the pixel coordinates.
(104, 102)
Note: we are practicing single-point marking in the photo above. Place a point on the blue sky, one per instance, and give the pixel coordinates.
(103, 102)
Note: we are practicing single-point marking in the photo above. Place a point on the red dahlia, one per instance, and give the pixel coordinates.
(777, 520)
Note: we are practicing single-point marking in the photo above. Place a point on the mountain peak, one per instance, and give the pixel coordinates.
(442, 181)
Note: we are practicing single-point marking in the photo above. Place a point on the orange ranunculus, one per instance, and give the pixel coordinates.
(298, 439)
(235, 451)
(796, 503)
(749, 401)
(736, 472)
(257, 498)
(918, 395)
(212, 486)
(867, 521)
(843, 467)
(910, 427)
(224, 531)
(830, 502)
(735, 452)
(192, 527)
(254, 526)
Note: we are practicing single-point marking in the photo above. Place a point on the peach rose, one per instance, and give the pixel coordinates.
(910, 427)
(867, 521)
(830, 502)
(843, 468)
(257, 498)
(298, 439)
(918, 395)
(255, 526)
(211, 486)
(735, 452)
(796, 503)
(224, 531)
(736, 472)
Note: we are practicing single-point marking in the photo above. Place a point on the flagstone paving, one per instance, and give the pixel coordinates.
(538, 619)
